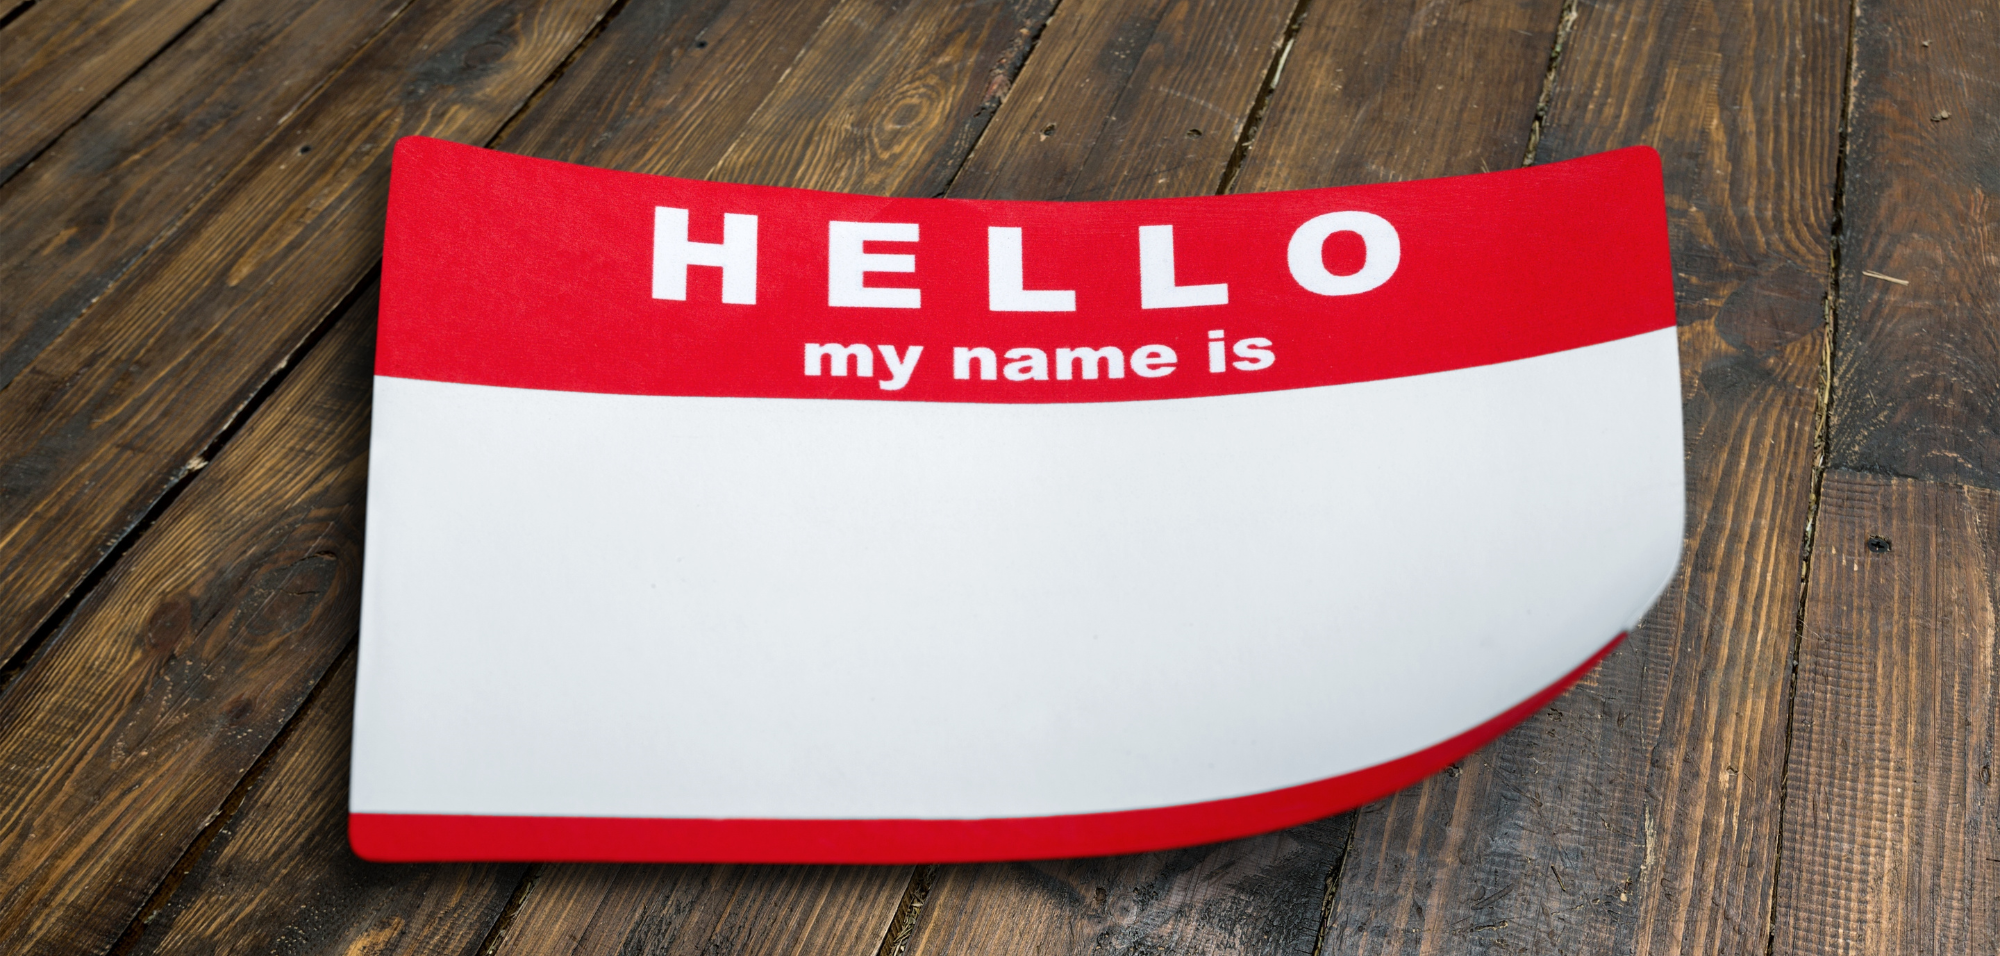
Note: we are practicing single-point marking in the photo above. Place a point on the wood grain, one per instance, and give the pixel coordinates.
(278, 877)
(667, 87)
(1261, 895)
(888, 98)
(874, 96)
(241, 891)
(118, 181)
(127, 733)
(706, 911)
(1390, 92)
(1638, 814)
(1890, 843)
(1127, 100)
(60, 57)
(1918, 362)
(104, 420)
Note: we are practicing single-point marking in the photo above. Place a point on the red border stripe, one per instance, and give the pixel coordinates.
(406, 837)
(520, 272)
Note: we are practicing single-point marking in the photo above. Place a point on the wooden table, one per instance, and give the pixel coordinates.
(1793, 755)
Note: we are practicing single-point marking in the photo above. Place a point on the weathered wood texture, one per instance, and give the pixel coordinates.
(124, 176)
(1386, 92)
(1890, 843)
(1262, 895)
(60, 57)
(869, 96)
(1918, 361)
(121, 741)
(706, 911)
(1639, 813)
(1130, 100)
(220, 899)
(278, 878)
(100, 425)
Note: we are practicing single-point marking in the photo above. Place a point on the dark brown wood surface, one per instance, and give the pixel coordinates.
(1890, 826)
(276, 875)
(1919, 329)
(190, 208)
(1889, 837)
(102, 423)
(127, 734)
(1261, 896)
(128, 173)
(59, 57)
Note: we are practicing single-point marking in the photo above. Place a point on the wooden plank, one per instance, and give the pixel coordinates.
(887, 100)
(125, 736)
(706, 910)
(1915, 374)
(667, 86)
(103, 421)
(1130, 100)
(58, 59)
(880, 96)
(1391, 92)
(1639, 812)
(1890, 843)
(1261, 895)
(114, 751)
(118, 180)
(278, 873)
(219, 901)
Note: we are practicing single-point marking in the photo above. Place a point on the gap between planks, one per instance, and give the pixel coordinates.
(497, 933)
(1565, 22)
(1822, 442)
(8, 19)
(1255, 121)
(176, 485)
(191, 856)
(179, 483)
(53, 624)
(589, 36)
(1014, 73)
(1332, 890)
(227, 811)
(14, 14)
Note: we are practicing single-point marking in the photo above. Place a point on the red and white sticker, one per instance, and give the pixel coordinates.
(712, 522)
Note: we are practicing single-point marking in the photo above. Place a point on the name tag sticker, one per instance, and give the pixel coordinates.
(725, 523)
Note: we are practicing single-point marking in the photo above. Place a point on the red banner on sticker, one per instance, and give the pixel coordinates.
(512, 271)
